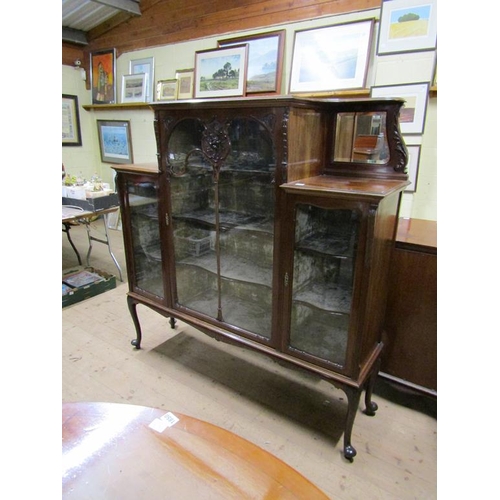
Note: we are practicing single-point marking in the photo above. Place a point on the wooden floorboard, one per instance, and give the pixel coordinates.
(294, 415)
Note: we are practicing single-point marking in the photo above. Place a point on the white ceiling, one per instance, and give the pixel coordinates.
(80, 16)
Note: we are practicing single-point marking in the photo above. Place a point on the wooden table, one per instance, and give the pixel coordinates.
(72, 214)
(120, 451)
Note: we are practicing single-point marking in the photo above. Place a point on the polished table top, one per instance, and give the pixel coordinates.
(120, 451)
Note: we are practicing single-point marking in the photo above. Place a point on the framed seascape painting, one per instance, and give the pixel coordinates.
(412, 114)
(115, 141)
(145, 66)
(71, 133)
(134, 87)
(103, 76)
(265, 61)
(331, 58)
(221, 72)
(407, 26)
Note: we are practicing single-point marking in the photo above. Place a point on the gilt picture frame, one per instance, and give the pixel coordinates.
(221, 72)
(166, 90)
(265, 60)
(185, 83)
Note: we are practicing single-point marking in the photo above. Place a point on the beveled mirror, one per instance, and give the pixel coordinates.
(361, 137)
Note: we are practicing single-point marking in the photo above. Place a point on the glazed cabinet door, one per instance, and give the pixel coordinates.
(221, 178)
(322, 280)
(143, 244)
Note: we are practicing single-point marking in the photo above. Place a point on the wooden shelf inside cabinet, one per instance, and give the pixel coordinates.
(129, 105)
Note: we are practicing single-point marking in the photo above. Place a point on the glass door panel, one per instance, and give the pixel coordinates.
(193, 219)
(223, 223)
(246, 212)
(145, 230)
(324, 255)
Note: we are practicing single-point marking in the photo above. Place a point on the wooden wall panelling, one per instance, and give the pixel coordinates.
(167, 22)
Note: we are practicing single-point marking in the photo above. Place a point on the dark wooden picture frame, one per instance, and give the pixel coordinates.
(71, 131)
(265, 60)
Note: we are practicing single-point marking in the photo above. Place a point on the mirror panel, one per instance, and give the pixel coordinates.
(361, 138)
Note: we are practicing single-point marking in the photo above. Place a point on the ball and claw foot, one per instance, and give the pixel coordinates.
(349, 452)
(371, 408)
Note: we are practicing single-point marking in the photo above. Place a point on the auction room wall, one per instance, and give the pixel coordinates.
(384, 70)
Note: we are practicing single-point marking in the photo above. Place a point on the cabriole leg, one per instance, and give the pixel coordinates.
(371, 406)
(132, 307)
(353, 396)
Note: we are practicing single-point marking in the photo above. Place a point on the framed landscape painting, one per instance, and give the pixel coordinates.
(407, 26)
(221, 72)
(265, 61)
(412, 114)
(331, 58)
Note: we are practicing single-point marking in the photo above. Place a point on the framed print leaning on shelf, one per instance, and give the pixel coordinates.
(71, 133)
(407, 26)
(331, 58)
(185, 83)
(134, 88)
(265, 60)
(221, 72)
(103, 76)
(166, 90)
(412, 115)
(413, 163)
(115, 141)
(146, 66)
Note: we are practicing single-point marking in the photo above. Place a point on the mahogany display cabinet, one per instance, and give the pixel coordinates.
(269, 223)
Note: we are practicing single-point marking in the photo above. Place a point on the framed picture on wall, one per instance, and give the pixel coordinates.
(115, 141)
(413, 164)
(134, 87)
(146, 66)
(265, 60)
(103, 76)
(331, 58)
(221, 72)
(407, 26)
(71, 133)
(185, 83)
(412, 115)
(166, 90)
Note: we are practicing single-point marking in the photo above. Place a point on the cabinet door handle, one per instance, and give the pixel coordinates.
(167, 219)
(287, 279)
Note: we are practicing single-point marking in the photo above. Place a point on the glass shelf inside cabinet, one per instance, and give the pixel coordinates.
(324, 256)
(223, 223)
(143, 202)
